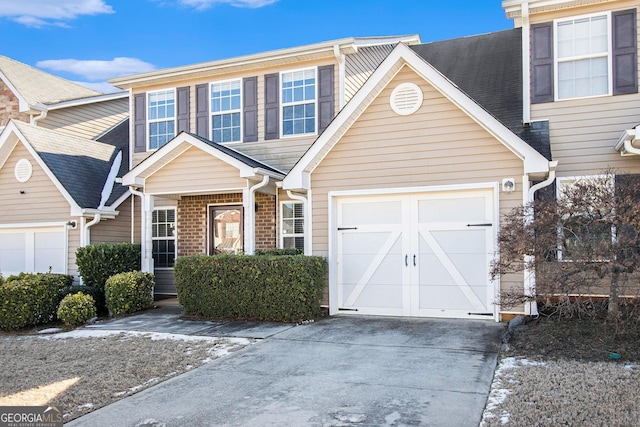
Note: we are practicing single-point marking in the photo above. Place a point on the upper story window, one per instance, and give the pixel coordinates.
(298, 90)
(583, 57)
(161, 117)
(226, 109)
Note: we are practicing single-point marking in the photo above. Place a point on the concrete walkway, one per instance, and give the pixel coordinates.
(339, 371)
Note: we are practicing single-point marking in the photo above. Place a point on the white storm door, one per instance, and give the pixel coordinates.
(372, 260)
(453, 248)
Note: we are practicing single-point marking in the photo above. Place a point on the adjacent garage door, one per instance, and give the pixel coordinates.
(416, 255)
(33, 250)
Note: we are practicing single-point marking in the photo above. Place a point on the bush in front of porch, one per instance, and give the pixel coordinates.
(276, 288)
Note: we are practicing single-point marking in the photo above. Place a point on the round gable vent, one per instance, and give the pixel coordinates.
(406, 98)
(23, 170)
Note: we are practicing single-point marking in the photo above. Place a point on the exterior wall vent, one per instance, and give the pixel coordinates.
(23, 170)
(406, 98)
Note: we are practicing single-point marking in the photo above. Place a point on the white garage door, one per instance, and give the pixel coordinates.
(33, 250)
(416, 255)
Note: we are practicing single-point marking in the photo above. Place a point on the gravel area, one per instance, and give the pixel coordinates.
(80, 374)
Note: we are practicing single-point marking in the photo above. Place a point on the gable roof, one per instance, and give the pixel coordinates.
(299, 176)
(82, 169)
(488, 68)
(247, 166)
(33, 86)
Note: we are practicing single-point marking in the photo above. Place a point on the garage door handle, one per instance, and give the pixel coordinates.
(406, 260)
(414, 260)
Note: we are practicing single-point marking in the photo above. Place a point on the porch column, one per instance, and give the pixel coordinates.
(147, 242)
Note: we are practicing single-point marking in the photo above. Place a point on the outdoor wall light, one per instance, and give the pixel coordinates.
(508, 185)
(72, 224)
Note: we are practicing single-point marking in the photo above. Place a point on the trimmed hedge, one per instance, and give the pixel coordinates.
(95, 292)
(96, 263)
(76, 309)
(278, 288)
(30, 299)
(129, 292)
(278, 252)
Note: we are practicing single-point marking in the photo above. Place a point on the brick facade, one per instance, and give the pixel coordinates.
(10, 106)
(192, 221)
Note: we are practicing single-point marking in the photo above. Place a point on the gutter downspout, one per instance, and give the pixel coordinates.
(526, 66)
(251, 223)
(530, 275)
(341, 73)
(85, 238)
(307, 219)
(43, 114)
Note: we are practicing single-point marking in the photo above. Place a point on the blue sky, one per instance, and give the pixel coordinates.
(91, 40)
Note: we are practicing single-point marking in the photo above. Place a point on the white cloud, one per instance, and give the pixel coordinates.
(206, 4)
(97, 70)
(38, 13)
(103, 87)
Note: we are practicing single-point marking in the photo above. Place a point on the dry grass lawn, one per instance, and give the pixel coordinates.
(79, 375)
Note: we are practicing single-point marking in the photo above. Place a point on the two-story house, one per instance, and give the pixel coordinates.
(61, 147)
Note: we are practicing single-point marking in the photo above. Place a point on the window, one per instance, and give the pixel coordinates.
(292, 215)
(226, 111)
(163, 224)
(582, 55)
(585, 230)
(298, 102)
(161, 116)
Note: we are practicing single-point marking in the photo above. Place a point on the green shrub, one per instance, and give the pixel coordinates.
(278, 252)
(280, 288)
(129, 292)
(95, 292)
(76, 309)
(96, 263)
(30, 299)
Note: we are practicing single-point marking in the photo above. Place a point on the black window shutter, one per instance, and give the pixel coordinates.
(325, 97)
(542, 62)
(202, 110)
(625, 59)
(183, 109)
(140, 122)
(271, 106)
(250, 108)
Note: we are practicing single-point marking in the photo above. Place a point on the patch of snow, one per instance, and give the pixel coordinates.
(86, 406)
(629, 367)
(50, 331)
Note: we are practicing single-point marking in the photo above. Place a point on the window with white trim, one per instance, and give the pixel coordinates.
(298, 89)
(226, 111)
(292, 219)
(585, 229)
(163, 225)
(161, 117)
(583, 56)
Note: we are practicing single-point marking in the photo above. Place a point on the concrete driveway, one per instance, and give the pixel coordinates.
(340, 371)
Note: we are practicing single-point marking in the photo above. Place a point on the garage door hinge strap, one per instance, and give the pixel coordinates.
(347, 228)
(347, 309)
(488, 224)
(480, 314)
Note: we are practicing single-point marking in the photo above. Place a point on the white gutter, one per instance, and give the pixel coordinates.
(625, 143)
(85, 237)
(531, 308)
(251, 217)
(307, 220)
(526, 59)
(43, 113)
(341, 73)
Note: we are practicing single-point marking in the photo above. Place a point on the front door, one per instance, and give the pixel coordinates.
(225, 229)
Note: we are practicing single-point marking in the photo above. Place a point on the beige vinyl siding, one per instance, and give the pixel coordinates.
(192, 172)
(437, 145)
(73, 243)
(359, 67)
(116, 230)
(41, 201)
(585, 131)
(87, 121)
(288, 148)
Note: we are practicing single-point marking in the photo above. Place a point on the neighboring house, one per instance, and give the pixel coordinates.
(61, 148)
